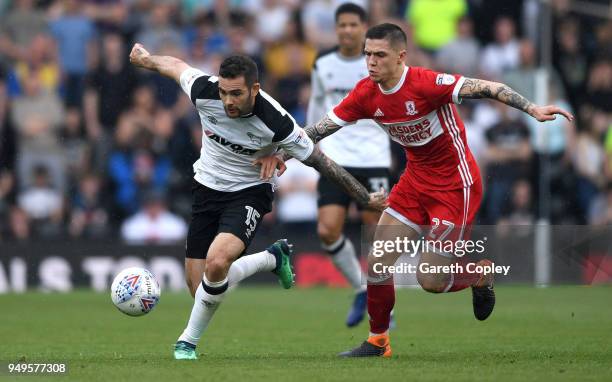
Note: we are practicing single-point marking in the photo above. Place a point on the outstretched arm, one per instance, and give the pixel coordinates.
(316, 132)
(322, 129)
(167, 66)
(475, 88)
(340, 176)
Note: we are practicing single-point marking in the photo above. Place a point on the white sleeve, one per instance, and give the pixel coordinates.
(297, 144)
(188, 78)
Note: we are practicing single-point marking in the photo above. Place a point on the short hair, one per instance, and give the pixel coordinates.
(390, 32)
(236, 66)
(353, 9)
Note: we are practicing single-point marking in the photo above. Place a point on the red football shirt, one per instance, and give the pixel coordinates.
(419, 114)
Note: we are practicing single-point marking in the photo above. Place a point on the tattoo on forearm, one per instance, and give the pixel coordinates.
(333, 171)
(475, 88)
(321, 129)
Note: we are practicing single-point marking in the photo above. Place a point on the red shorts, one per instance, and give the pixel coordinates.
(438, 214)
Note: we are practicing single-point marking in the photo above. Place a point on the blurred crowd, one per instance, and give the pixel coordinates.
(92, 148)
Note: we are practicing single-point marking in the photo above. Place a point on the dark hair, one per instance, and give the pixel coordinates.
(390, 32)
(236, 66)
(351, 8)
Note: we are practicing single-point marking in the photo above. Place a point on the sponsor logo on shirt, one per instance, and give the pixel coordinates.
(236, 148)
(445, 79)
(410, 134)
(211, 119)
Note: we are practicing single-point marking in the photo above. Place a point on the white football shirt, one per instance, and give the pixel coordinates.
(363, 144)
(229, 145)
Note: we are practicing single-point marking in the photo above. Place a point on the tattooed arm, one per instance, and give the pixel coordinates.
(322, 129)
(475, 88)
(333, 171)
(316, 132)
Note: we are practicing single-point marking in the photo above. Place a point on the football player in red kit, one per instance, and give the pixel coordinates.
(441, 188)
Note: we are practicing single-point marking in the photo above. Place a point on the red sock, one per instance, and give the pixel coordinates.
(463, 279)
(381, 298)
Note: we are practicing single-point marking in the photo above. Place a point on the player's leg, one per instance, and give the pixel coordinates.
(333, 204)
(237, 225)
(194, 270)
(452, 214)
(203, 228)
(381, 290)
(224, 249)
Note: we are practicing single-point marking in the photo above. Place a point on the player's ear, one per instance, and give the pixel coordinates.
(255, 89)
(402, 56)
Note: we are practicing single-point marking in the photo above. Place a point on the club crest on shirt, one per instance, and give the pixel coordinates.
(411, 108)
(254, 138)
(212, 119)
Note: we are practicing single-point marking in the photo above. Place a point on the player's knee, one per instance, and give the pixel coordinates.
(327, 234)
(217, 267)
(432, 283)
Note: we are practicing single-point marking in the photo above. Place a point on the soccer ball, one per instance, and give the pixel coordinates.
(135, 291)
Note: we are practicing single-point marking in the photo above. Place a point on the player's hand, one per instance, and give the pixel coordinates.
(378, 200)
(548, 113)
(269, 164)
(138, 55)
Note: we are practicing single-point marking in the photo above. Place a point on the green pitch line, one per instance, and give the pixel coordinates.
(561, 333)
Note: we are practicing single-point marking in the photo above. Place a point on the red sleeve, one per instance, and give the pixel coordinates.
(351, 108)
(440, 88)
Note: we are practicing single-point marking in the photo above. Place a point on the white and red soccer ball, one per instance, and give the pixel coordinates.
(135, 291)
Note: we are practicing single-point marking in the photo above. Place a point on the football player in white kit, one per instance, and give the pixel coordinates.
(363, 150)
(241, 123)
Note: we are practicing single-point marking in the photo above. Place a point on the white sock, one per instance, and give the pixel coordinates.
(248, 265)
(344, 258)
(204, 307)
(206, 304)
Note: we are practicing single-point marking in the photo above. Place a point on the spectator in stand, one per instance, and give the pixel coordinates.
(503, 54)
(154, 224)
(462, 54)
(109, 88)
(520, 211)
(143, 106)
(89, 217)
(135, 166)
(508, 156)
(37, 117)
(39, 61)
(19, 27)
(289, 62)
(74, 33)
(317, 17)
(41, 206)
(571, 61)
(77, 150)
(589, 159)
(599, 85)
(158, 30)
(271, 20)
(435, 21)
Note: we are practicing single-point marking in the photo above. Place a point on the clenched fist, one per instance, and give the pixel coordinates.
(138, 55)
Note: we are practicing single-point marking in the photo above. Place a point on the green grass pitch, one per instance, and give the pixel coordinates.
(265, 333)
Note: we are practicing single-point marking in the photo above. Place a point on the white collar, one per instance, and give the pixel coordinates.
(398, 85)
